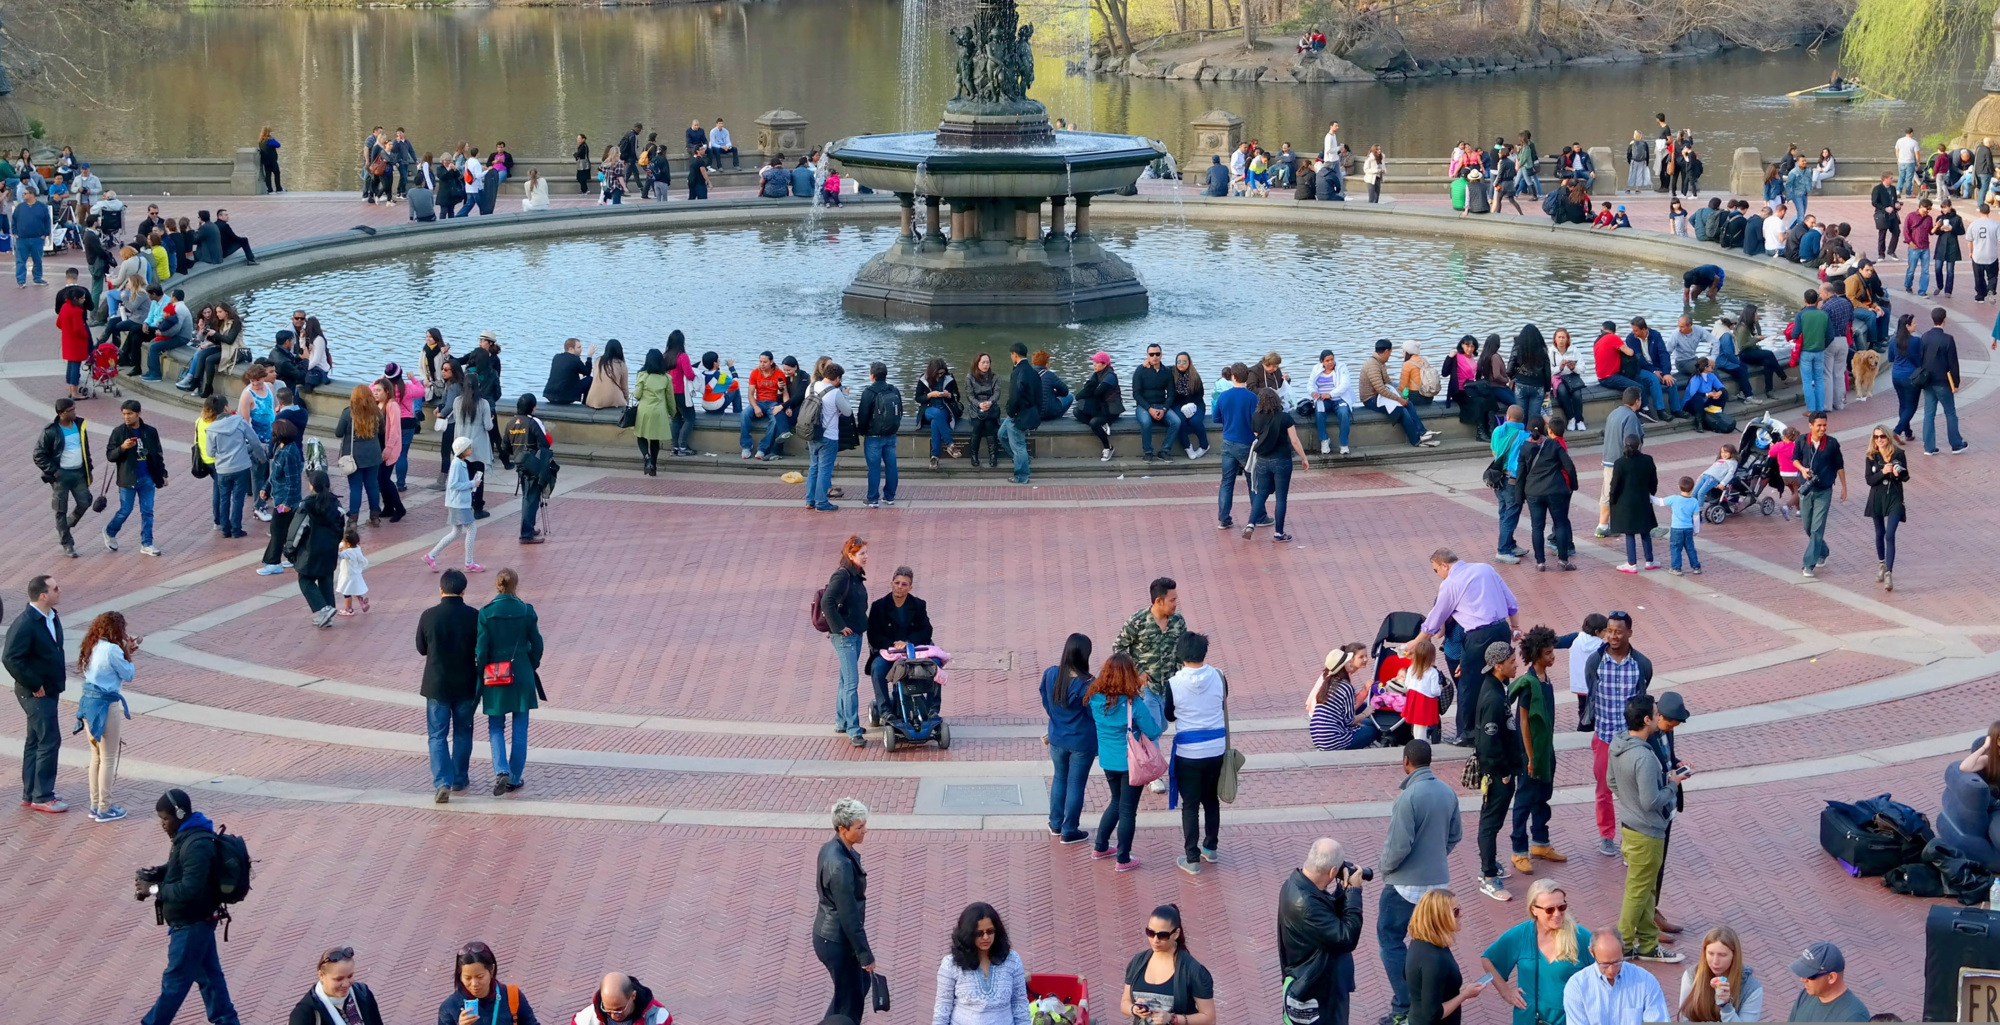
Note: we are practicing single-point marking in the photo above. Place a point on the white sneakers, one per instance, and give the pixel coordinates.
(1326, 447)
(1106, 457)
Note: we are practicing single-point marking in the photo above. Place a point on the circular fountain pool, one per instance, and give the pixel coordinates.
(1219, 293)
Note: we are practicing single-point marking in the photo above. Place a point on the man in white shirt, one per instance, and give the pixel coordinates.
(1906, 162)
(1239, 170)
(1329, 151)
(718, 144)
(1609, 992)
(1774, 230)
(477, 173)
(1985, 239)
(820, 452)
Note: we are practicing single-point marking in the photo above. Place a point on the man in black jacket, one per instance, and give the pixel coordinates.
(879, 415)
(1318, 929)
(34, 658)
(898, 621)
(1152, 388)
(628, 147)
(1024, 409)
(527, 449)
(569, 374)
(134, 449)
(1887, 222)
(285, 363)
(185, 892)
(62, 453)
(1941, 364)
(1496, 742)
(446, 635)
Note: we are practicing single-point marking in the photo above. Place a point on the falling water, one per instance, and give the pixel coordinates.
(1173, 174)
(915, 63)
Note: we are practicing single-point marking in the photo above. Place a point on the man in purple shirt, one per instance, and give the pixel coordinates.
(1473, 594)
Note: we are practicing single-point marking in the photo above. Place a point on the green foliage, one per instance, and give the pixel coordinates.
(1908, 48)
(35, 128)
(1932, 141)
(1311, 13)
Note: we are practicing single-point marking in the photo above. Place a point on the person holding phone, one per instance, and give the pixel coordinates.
(478, 997)
(1437, 991)
(1164, 984)
(1887, 469)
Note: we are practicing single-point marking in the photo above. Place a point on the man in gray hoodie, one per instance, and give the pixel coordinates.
(1645, 803)
(1423, 828)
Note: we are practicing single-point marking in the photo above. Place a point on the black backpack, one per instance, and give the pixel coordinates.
(885, 415)
(230, 872)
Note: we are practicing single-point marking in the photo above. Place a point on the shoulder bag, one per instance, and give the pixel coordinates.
(200, 467)
(1232, 759)
(628, 418)
(1143, 761)
(345, 466)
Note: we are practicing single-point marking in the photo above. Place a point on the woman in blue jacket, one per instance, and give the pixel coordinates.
(1115, 711)
(479, 997)
(1072, 737)
(1906, 354)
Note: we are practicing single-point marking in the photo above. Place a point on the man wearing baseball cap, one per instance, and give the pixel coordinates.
(1669, 711)
(1496, 741)
(1823, 972)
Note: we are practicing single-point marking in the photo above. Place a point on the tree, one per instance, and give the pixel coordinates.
(1249, 24)
(1531, 19)
(1909, 49)
(62, 46)
(1116, 15)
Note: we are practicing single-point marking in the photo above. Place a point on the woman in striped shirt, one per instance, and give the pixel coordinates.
(1334, 707)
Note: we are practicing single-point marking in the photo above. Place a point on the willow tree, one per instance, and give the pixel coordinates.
(1909, 48)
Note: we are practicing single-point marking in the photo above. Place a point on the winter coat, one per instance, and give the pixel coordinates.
(508, 632)
(322, 548)
(608, 389)
(1885, 493)
(367, 452)
(311, 1010)
(653, 422)
(1634, 479)
(1100, 396)
(447, 636)
(75, 333)
(1545, 469)
(845, 604)
(842, 914)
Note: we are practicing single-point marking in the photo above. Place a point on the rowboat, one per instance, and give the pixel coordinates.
(1842, 94)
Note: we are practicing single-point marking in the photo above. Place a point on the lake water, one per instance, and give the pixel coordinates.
(1219, 294)
(533, 77)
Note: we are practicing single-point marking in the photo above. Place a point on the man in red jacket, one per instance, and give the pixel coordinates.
(1619, 368)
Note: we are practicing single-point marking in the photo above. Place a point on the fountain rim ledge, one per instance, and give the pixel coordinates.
(1113, 152)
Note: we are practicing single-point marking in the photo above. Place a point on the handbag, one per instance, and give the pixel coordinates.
(1232, 759)
(103, 490)
(499, 674)
(878, 992)
(1143, 761)
(345, 466)
(628, 418)
(1473, 778)
(200, 467)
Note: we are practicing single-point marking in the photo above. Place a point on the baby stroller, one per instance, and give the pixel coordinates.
(916, 692)
(1058, 1000)
(1747, 486)
(1384, 700)
(103, 371)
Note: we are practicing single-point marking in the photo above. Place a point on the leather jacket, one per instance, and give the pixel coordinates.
(1317, 933)
(843, 900)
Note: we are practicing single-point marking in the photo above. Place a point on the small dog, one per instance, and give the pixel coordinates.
(1865, 364)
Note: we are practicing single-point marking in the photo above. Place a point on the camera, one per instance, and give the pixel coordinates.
(1367, 874)
(144, 879)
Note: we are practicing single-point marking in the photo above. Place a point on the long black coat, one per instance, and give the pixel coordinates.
(447, 634)
(321, 551)
(1634, 479)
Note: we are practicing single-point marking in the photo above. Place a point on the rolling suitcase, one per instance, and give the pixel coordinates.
(1955, 938)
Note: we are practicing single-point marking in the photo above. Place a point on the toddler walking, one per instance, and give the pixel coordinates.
(1685, 510)
(348, 582)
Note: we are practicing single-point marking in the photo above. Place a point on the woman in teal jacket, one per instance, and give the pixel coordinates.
(508, 635)
(1113, 707)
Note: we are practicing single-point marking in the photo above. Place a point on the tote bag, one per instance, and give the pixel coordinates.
(1232, 759)
(1143, 761)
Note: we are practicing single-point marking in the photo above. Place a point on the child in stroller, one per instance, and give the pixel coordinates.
(1411, 692)
(1741, 473)
(916, 698)
(103, 370)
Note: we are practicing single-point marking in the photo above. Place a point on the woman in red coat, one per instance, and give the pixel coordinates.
(75, 336)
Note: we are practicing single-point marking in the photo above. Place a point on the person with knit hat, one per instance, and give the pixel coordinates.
(1496, 743)
(458, 516)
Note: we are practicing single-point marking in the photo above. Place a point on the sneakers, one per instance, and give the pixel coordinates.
(110, 543)
(53, 806)
(149, 550)
(264, 514)
(443, 795)
(1652, 565)
(1127, 866)
(1495, 889)
(1603, 532)
(1325, 447)
(428, 561)
(473, 567)
(1607, 847)
(1105, 457)
(1626, 567)
(1659, 954)
(111, 814)
(1158, 786)
(500, 785)
(1198, 453)
(1507, 557)
(1808, 573)
(69, 551)
(746, 453)
(270, 571)
(1074, 838)
(1219, 525)
(1191, 868)
(1281, 537)
(1211, 855)
(1675, 573)
(1096, 855)
(324, 617)
(1343, 450)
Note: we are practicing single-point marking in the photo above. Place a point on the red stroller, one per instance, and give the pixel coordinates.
(103, 371)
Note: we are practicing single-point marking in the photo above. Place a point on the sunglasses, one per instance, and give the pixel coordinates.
(1167, 935)
(1457, 913)
(335, 956)
(985, 932)
(1553, 909)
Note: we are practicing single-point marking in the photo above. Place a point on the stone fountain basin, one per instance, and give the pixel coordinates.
(1069, 163)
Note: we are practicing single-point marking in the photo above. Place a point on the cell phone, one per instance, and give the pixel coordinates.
(1484, 979)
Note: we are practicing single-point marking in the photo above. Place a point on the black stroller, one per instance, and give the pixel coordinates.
(1399, 628)
(916, 702)
(1748, 486)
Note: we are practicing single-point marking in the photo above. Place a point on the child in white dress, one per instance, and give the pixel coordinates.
(347, 579)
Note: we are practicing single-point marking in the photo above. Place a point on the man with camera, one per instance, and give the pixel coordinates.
(1319, 924)
(187, 902)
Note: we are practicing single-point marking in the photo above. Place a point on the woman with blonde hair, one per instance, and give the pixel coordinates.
(1887, 469)
(1717, 987)
(105, 661)
(1437, 990)
(360, 434)
(1545, 950)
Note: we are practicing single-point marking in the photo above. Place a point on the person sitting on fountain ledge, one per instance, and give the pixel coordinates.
(1217, 181)
(718, 144)
(569, 375)
(776, 181)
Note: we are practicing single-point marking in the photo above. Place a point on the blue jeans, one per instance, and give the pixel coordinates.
(1814, 505)
(1531, 399)
(1633, 542)
(1681, 539)
(1122, 813)
(1017, 443)
(364, 481)
(1906, 403)
(509, 763)
(215, 498)
(1917, 270)
(1072, 777)
(153, 352)
(1273, 475)
(1510, 517)
(1940, 395)
(819, 470)
(1812, 376)
(780, 423)
(1341, 411)
(939, 419)
(847, 696)
(1392, 926)
(1906, 177)
(1194, 427)
(1404, 416)
(1648, 385)
(471, 204)
(234, 488)
(881, 456)
(1531, 809)
(1865, 321)
(26, 249)
(144, 494)
(192, 960)
(749, 416)
(1170, 418)
(449, 725)
(1234, 455)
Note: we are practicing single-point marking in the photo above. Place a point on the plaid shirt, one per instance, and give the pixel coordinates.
(1616, 683)
(1155, 650)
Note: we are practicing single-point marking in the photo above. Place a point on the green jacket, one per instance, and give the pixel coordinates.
(654, 397)
(1538, 698)
(1155, 650)
(508, 633)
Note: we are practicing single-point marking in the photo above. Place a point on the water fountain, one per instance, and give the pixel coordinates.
(994, 162)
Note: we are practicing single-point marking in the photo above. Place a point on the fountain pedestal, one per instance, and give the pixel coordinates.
(993, 162)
